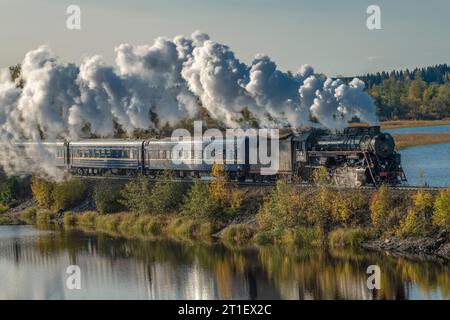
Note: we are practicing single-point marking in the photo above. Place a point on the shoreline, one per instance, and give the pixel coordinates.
(430, 247)
(397, 124)
(408, 140)
(282, 215)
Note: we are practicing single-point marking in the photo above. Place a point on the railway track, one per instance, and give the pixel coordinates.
(272, 184)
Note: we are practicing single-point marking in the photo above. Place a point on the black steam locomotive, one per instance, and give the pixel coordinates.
(357, 156)
(354, 157)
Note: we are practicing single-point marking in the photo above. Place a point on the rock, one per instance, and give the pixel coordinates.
(435, 246)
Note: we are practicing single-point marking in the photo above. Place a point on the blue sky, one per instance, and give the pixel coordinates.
(329, 35)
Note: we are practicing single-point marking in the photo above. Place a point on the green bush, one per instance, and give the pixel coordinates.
(198, 204)
(166, 193)
(12, 191)
(68, 194)
(106, 197)
(441, 213)
(136, 195)
(42, 192)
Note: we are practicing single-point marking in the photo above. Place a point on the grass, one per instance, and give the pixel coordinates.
(395, 124)
(4, 220)
(237, 234)
(131, 225)
(352, 237)
(28, 215)
(3, 208)
(416, 139)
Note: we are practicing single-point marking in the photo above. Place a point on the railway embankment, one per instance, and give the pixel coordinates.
(408, 222)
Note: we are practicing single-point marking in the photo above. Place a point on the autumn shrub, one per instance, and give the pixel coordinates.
(349, 208)
(283, 208)
(106, 197)
(68, 193)
(386, 210)
(417, 221)
(42, 190)
(222, 192)
(441, 212)
(319, 212)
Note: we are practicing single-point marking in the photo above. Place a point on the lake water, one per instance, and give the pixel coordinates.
(33, 265)
(426, 164)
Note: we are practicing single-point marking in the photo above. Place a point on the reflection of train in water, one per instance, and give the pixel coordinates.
(354, 157)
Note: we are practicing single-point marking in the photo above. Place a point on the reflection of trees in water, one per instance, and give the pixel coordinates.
(341, 274)
(250, 273)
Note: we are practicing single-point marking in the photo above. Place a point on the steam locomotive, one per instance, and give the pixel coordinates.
(354, 157)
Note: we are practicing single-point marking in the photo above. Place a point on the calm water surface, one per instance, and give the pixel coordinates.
(33, 264)
(429, 164)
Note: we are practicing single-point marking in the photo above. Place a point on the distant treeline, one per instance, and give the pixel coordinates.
(421, 93)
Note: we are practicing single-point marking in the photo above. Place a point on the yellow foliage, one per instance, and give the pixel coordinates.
(441, 213)
(218, 186)
(42, 191)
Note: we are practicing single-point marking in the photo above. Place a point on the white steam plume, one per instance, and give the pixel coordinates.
(169, 79)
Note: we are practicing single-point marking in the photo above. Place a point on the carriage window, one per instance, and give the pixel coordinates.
(125, 154)
(131, 154)
(108, 153)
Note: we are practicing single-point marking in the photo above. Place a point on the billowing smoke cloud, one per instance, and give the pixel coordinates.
(167, 81)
